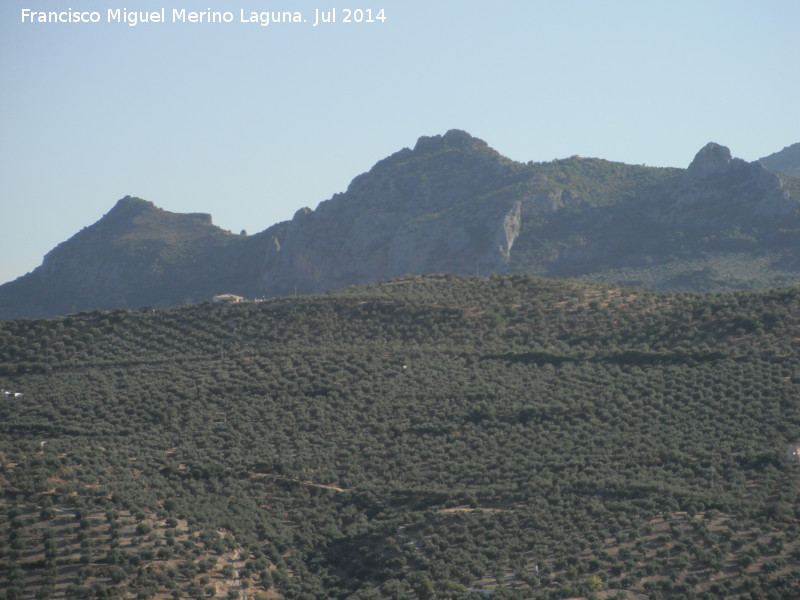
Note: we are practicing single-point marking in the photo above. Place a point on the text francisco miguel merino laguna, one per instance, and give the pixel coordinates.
(181, 15)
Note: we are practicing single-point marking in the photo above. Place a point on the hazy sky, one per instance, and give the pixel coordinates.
(251, 123)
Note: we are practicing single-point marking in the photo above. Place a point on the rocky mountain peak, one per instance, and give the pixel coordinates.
(712, 159)
(453, 139)
(129, 202)
(131, 210)
(717, 182)
(128, 208)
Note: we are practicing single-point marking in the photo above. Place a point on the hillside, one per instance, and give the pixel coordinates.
(442, 436)
(721, 224)
(786, 161)
(136, 255)
(451, 204)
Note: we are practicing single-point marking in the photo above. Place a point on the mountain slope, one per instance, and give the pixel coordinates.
(451, 204)
(786, 161)
(721, 224)
(136, 255)
(426, 436)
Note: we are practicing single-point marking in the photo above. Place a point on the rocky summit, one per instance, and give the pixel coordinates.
(451, 204)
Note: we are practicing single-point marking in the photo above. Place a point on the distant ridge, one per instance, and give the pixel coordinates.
(452, 204)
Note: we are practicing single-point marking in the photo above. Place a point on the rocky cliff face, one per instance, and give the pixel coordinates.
(451, 204)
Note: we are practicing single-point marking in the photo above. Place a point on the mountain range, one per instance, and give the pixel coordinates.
(452, 204)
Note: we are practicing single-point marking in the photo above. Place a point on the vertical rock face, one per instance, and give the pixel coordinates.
(512, 223)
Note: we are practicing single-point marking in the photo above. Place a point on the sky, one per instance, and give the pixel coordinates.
(251, 123)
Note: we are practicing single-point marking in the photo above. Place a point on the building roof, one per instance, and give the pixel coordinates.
(227, 298)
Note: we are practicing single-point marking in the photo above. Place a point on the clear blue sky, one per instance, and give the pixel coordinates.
(250, 123)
